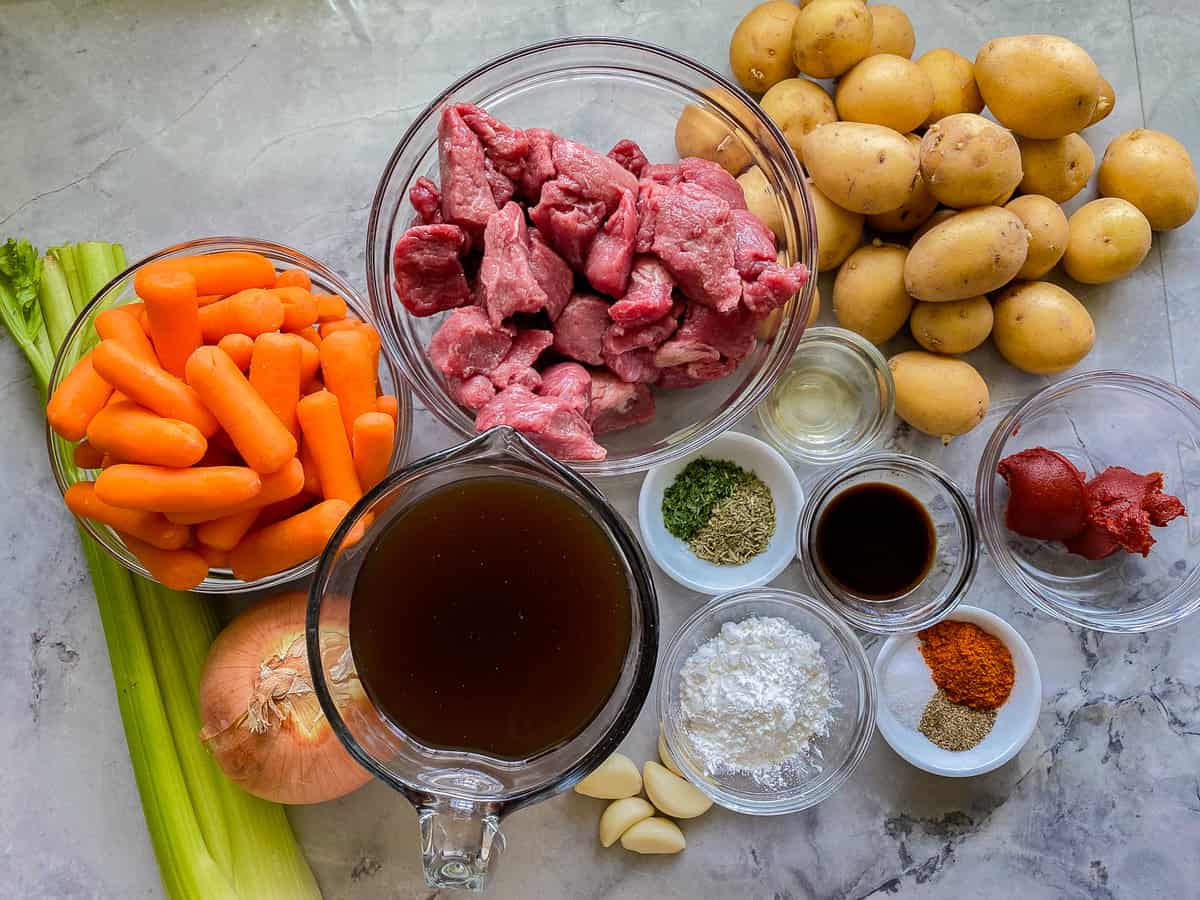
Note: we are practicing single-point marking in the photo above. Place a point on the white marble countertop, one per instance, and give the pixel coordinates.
(151, 123)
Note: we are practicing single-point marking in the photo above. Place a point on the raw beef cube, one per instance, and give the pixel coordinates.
(617, 404)
(474, 393)
(539, 164)
(567, 221)
(505, 146)
(467, 198)
(648, 297)
(695, 374)
(506, 275)
(648, 191)
(550, 422)
(706, 334)
(713, 179)
(766, 284)
(501, 185)
(517, 365)
(570, 382)
(428, 272)
(579, 330)
(588, 175)
(662, 173)
(630, 156)
(611, 254)
(773, 287)
(427, 201)
(466, 344)
(694, 239)
(634, 366)
(754, 244)
(551, 272)
(623, 338)
(679, 352)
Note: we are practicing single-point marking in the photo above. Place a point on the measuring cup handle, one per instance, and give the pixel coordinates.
(459, 840)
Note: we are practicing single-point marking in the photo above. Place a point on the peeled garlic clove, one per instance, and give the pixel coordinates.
(655, 835)
(620, 816)
(672, 795)
(616, 779)
(665, 755)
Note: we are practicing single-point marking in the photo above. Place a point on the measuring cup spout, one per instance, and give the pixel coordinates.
(459, 841)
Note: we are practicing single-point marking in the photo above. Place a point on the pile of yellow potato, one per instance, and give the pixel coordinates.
(962, 213)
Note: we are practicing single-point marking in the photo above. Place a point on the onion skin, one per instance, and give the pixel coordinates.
(280, 749)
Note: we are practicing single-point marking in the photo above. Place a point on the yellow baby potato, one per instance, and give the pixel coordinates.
(1048, 231)
(957, 326)
(868, 293)
(938, 395)
(1108, 239)
(972, 253)
(760, 51)
(968, 160)
(860, 167)
(797, 106)
(839, 231)
(887, 90)
(1152, 171)
(1104, 105)
(761, 199)
(892, 30)
(952, 76)
(1041, 328)
(700, 132)
(1058, 168)
(830, 36)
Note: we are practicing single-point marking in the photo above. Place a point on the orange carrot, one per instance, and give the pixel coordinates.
(372, 439)
(348, 373)
(285, 509)
(330, 307)
(152, 387)
(180, 570)
(134, 434)
(223, 273)
(206, 299)
(281, 485)
(288, 543)
(78, 397)
(226, 532)
(299, 307)
(150, 527)
(239, 347)
(218, 454)
(389, 404)
(85, 456)
(216, 559)
(336, 325)
(312, 483)
(275, 375)
(108, 460)
(311, 335)
(120, 325)
(262, 440)
(321, 421)
(293, 278)
(159, 489)
(251, 312)
(310, 361)
(170, 299)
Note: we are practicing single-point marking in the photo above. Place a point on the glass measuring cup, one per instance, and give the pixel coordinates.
(460, 796)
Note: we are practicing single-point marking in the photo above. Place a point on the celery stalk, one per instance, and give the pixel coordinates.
(57, 316)
(120, 263)
(96, 267)
(66, 258)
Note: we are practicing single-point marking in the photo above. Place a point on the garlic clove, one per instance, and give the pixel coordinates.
(655, 835)
(620, 816)
(615, 779)
(672, 795)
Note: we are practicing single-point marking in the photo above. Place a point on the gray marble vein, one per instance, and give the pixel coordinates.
(154, 122)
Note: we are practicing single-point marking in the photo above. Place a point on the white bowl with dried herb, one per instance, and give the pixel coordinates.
(723, 518)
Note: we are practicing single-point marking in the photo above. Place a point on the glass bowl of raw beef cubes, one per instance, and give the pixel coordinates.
(539, 255)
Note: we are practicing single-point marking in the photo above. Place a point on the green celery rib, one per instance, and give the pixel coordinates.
(58, 316)
(66, 258)
(97, 267)
(120, 263)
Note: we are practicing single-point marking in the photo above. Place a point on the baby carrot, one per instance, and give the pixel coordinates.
(108, 460)
(226, 532)
(239, 347)
(262, 440)
(348, 373)
(85, 456)
(170, 299)
(321, 421)
(312, 483)
(310, 361)
(79, 396)
(206, 299)
(281, 485)
(275, 375)
(330, 307)
(180, 570)
(387, 403)
(134, 434)
(299, 307)
(150, 527)
(216, 559)
(336, 325)
(293, 278)
(223, 273)
(285, 509)
(159, 489)
(122, 326)
(372, 438)
(287, 543)
(152, 387)
(218, 455)
(251, 312)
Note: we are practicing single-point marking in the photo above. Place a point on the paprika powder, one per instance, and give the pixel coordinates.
(970, 666)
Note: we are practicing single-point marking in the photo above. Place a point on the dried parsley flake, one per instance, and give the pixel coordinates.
(689, 502)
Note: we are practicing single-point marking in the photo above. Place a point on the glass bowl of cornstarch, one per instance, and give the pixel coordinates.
(767, 701)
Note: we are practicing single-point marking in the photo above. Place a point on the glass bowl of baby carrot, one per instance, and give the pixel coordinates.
(217, 408)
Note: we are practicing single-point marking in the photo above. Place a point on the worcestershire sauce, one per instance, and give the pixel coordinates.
(876, 540)
(492, 616)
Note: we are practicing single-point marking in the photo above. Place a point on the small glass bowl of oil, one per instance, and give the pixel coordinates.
(834, 401)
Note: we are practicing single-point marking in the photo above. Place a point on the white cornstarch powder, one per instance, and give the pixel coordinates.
(754, 697)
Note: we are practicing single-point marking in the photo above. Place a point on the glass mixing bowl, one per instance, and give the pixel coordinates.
(82, 338)
(1096, 420)
(599, 90)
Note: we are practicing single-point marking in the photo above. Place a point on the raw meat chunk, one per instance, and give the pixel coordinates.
(505, 146)
(467, 198)
(570, 382)
(694, 374)
(474, 393)
(662, 173)
(630, 156)
(590, 176)
(694, 240)
(550, 422)
(623, 338)
(766, 284)
(428, 272)
(611, 254)
(427, 201)
(567, 221)
(500, 184)
(753, 244)
(705, 335)
(551, 272)
(648, 297)
(517, 365)
(617, 404)
(634, 366)
(679, 352)
(539, 164)
(772, 288)
(466, 344)
(713, 179)
(579, 330)
(506, 275)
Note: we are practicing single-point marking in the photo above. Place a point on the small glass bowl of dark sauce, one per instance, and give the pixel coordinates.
(889, 541)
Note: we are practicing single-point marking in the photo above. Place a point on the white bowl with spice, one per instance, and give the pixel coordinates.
(723, 518)
(960, 698)
(767, 701)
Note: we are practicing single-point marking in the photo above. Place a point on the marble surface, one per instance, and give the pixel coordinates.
(155, 122)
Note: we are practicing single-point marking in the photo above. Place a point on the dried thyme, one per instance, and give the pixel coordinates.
(741, 526)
